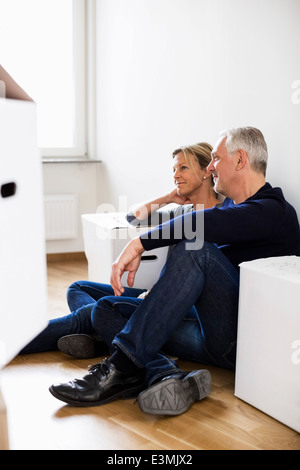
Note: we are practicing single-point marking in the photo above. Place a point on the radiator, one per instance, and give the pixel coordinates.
(61, 216)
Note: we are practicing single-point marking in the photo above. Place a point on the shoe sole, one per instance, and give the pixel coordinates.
(78, 346)
(125, 394)
(175, 396)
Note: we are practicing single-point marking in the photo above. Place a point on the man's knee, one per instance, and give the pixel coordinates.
(198, 248)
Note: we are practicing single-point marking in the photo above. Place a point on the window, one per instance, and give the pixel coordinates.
(42, 45)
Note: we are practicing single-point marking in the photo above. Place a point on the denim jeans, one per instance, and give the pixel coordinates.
(191, 313)
(82, 297)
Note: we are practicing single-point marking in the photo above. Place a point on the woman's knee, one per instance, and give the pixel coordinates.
(74, 287)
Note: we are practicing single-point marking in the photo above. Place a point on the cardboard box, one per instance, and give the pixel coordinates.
(105, 236)
(268, 352)
(23, 275)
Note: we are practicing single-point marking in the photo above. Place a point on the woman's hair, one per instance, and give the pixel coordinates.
(252, 141)
(201, 152)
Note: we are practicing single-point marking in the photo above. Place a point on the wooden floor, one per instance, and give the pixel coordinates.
(38, 421)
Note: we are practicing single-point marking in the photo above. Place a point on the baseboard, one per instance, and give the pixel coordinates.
(56, 257)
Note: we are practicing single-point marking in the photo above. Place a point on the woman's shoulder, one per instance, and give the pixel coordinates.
(180, 210)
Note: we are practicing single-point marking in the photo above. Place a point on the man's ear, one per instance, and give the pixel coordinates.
(241, 159)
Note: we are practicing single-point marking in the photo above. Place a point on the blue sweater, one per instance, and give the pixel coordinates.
(263, 226)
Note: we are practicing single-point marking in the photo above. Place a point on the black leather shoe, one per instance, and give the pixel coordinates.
(175, 394)
(82, 346)
(103, 384)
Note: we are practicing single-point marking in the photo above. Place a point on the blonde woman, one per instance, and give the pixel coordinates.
(194, 188)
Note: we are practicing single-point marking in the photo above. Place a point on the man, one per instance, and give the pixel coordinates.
(192, 310)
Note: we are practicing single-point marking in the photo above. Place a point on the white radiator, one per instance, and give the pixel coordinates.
(61, 216)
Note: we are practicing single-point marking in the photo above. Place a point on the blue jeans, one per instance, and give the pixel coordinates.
(82, 297)
(191, 313)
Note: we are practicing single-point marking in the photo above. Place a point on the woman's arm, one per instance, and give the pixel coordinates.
(146, 212)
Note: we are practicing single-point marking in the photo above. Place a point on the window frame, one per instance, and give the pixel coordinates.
(79, 150)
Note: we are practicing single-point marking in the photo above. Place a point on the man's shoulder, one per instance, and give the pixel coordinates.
(265, 193)
(272, 197)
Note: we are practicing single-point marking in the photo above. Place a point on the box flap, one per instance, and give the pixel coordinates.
(10, 89)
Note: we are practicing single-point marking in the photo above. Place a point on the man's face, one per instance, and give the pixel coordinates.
(222, 168)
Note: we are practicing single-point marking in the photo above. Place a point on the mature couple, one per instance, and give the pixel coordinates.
(192, 310)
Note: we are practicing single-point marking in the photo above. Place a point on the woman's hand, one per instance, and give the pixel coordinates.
(129, 260)
(176, 199)
(145, 209)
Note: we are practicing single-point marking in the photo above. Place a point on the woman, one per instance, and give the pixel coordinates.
(194, 187)
(73, 333)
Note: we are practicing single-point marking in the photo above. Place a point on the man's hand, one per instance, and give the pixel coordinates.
(129, 260)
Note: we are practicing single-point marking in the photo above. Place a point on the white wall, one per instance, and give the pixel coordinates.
(82, 179)
(174, 72)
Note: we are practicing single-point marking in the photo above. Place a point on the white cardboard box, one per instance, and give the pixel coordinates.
(105, 236)
(268, 352)
(23, 276)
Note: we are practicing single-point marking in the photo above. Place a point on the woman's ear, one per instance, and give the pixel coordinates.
(207, 175)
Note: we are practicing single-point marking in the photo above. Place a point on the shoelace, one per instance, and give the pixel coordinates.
(102, 367)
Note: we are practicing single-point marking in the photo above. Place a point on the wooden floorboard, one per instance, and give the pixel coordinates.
(37, 421)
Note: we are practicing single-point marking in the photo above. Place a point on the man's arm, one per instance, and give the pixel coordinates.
(247, 222)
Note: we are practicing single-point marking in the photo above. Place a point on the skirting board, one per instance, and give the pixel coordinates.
(57, 257)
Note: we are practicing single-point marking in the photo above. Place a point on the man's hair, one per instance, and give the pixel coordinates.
(252, 141)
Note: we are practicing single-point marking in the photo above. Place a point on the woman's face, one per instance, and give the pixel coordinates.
(188, 177)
